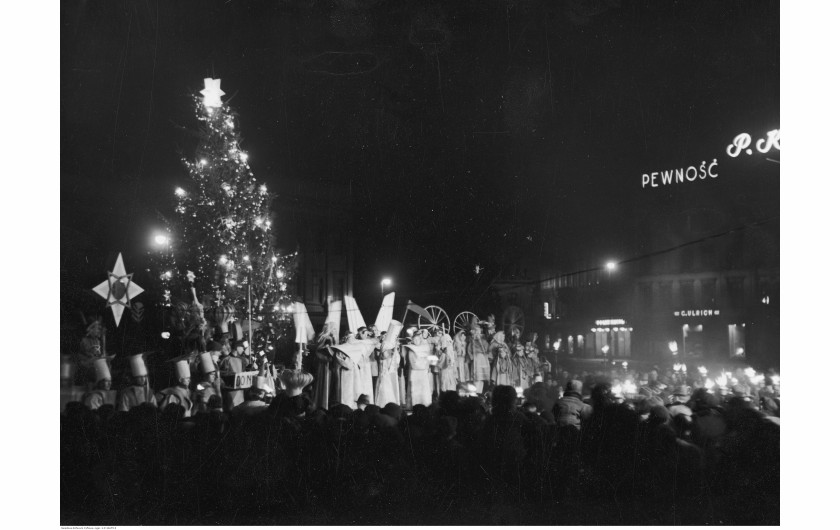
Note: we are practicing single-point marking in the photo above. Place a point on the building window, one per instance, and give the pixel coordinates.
(646, 295)
(687, 259)
(707, 292)
(338, 285)
(666, 298)
(316, 294)
(687, 293)
(735, 291)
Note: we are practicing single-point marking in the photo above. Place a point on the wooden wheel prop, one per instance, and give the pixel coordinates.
(513, 317)
(439, 319)
(463, 321)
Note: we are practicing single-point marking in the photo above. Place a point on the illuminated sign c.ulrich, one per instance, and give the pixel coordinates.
(697, 313)
(610, 322)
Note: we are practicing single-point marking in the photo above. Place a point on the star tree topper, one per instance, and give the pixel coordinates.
(118, 289)
(212, 92)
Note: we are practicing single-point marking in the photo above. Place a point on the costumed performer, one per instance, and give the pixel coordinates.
(210, 386)
(459, 347)
(139, 391)
(179, 393)
(447, 363)
(418, 362)
(229, 366)
(102, 394)
(502, 372)
(323, 360)
(479, 350)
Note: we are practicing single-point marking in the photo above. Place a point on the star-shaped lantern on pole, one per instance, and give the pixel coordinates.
(118, 289)
(212, 92)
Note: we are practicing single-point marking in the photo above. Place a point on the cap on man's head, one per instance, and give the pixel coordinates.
(363, 400)
(574, 386)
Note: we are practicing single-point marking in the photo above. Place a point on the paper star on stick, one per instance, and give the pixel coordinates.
(118, 289)
(212, 92)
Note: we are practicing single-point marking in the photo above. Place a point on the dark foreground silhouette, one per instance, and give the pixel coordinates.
(451, 463)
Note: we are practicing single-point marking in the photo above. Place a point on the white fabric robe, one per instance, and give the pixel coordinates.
(388, 382)
(351, 357)
(421, 388)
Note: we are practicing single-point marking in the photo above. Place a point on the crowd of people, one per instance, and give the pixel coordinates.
(447, 430)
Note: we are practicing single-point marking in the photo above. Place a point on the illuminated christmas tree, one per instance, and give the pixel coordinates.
(221, 229)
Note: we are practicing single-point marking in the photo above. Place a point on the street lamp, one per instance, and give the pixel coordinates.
(611, 266)
(673, 347)
(605, 349)
(386, 282)
(161, 240)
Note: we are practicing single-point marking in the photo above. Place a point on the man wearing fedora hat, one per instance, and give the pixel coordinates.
(363, 401)
(139, 391)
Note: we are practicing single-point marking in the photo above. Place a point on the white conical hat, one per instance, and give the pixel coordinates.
(207, 365)
(100, 366)
(182, 368)
(137, 365)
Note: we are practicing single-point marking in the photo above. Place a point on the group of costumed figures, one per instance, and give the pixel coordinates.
(414, 367)
(240, 381)
(406, 366)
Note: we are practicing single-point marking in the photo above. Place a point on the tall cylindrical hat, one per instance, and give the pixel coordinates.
(207, 365)
(237, 331)
(100, 367)
(391, 336)
(182, 368)
(67, 368)
(137, 365)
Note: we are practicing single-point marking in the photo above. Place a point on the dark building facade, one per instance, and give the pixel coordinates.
(717, 298)
(316, 217)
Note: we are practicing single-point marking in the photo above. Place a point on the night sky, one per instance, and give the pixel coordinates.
(472, 132)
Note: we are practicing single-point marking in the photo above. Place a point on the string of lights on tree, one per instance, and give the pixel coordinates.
(222, 225)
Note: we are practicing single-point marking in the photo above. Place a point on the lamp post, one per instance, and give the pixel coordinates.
(386, 282)
(250, 321)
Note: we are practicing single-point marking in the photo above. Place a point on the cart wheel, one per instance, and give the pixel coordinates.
(513, 317)
(463, 321)
(439, 319)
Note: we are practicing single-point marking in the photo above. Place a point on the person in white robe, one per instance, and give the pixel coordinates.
(418, 361)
